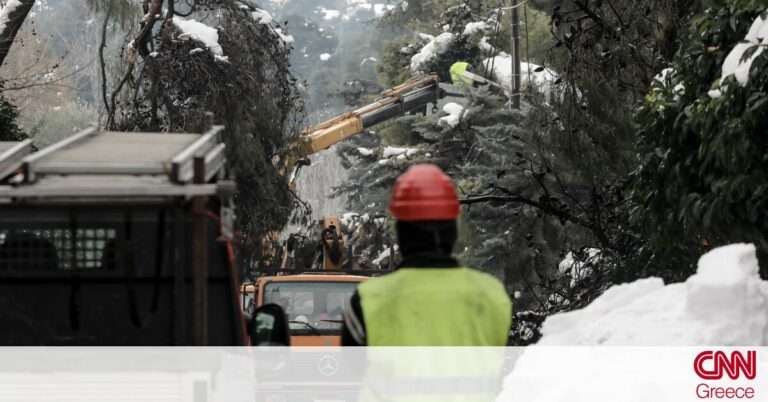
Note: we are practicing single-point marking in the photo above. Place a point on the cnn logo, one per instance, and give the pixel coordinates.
(710, 365)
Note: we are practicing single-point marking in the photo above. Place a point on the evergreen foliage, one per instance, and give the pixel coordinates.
(9, 128)
(701, 178)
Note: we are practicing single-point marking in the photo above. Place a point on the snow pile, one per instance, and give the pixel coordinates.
(757, 36)
(455, 113)
(724, 303)
(436, 46)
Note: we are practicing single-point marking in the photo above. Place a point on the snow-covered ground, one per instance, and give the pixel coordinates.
(724, 303)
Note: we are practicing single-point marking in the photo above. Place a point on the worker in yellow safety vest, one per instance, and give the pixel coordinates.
(457, 73)
(430, 300)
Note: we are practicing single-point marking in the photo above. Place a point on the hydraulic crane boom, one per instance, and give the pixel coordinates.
(397, 101)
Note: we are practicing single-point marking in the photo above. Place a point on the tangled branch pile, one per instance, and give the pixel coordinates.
(235, 65)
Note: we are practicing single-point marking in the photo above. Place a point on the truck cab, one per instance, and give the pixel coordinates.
(313, 303)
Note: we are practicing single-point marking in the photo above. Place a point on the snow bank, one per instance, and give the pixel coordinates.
(724, 303)
(191, 29)
(757, 36)
(436, 46)
(455, 112)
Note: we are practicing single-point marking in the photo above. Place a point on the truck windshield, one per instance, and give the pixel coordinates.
(318, 304)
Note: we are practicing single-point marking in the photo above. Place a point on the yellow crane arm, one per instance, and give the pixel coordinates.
(394, 102)
(412, 95)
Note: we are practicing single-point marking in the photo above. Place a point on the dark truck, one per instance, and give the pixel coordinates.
(118, 239)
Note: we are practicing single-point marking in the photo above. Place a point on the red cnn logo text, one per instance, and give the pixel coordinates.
(710, 365)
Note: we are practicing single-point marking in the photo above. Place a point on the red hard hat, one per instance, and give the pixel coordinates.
(424, 193)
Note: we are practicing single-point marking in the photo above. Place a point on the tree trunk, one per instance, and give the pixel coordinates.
(12, 17)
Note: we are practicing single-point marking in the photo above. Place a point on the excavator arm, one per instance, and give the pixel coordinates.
(394, 102)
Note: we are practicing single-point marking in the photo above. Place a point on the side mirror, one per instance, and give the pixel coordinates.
(269, 326)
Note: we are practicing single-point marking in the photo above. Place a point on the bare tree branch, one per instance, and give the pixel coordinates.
(101, 56)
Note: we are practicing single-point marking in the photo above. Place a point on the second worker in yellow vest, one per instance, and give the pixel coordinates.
(457, 71)
(430, 300)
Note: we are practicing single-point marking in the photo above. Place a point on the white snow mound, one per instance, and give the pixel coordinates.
(724, 303)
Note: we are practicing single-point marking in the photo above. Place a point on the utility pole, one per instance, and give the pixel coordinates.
(516, 84)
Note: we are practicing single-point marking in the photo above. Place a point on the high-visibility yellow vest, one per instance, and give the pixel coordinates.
(435, 307)
(457, 73)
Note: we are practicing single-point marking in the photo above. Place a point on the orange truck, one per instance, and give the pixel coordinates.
(313, 303)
